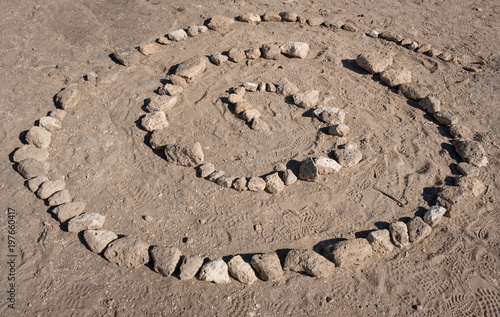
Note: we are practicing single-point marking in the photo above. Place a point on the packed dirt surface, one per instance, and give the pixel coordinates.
(104, 156)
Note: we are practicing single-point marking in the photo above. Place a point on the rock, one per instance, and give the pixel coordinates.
(268, 266)
(399, 234)
(289, 16)
(177, 35)
(177, 80)
(347, 158)
(161, 103)
(413, 45)
(184, 154)
(241, 270)
(350, 27)
(240, 90)
(252, 18)
(286, 88)
(307, 99)
(215, 175)
(225, 181)
(418, 229)
(163, 40)
(39, 137)
(445, 56)
(349, 252)
(236, 55)
(250, 114)
(30, 151)
(66, 211)
(301, 20)
(219, 22)
(171, 90)
(446, 117)
(340, 130)
(160, 138)
(373, 33)
(235, 98)
(434, 215)
(36, 182)
(471, 152)
(68, 98)
(271, 17)
(242, 107)
(471, 184)
(330, 115)
(326, 165)
(414, 91)
(460, 131)
(406, 41)
(349, 146)
(153, 121)
(97, 240)
(205, 170)
(148, 49)
(259, 124)
(374, 62)
(308, 262)
(192, 31)
(127, 58)
(289, 177)
(165, 259)
(396, 76)
(274, 184)
(315, 21)
(48, 188)
(270, 51)
(58, 114)
(308, 170)
(390, 36)
(240, 184)
(333, 24)
(202, 28)
(190, 265)
(380, 240)
(59, 198)
(215, 271)
(430, 104)
(218, 58)
(270, 87)
(295, 49)
(250, 86)
(253, 53)
(86, 221)
(50, 124)
(468, 169)
(127, 251)
(191, 67)
(455, 200)
(256, 184)
(424, 48)
(30, 168)
(434, 52)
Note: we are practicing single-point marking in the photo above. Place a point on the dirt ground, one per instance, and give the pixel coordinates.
(105, 158)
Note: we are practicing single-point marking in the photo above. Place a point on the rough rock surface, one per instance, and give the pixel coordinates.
(340, 130)
(165, 259)
(330, 115)
(160, 138)
(127, 58)
(30, 168)
(414, 91)
(215, 271)
(471, 152)
(215, 175)
(446, 117)
(259, 124)
(184, 154)
(68, 98)
(471, 184)
(219, 22)
(374, 62)
(256, 184)
(252, 18)
(127, 251)
(308, 170)
(418, 229)
(455, 200)
(396, 76)
(154, 121)
(460, 131)
(30, 151)
(241, 270)
(326, 165)
(430, 104)
(349, 252)
(250, 114)
(35, 183)
(434, 215)
(191, 67)
(148, 49)
(289, 16)
(50, 187)
(380, 240)
(69, 210)
(268, 266)
(309, 262)
(177, 35)
(347, 157)
(391, 36)
(59, 198)
(289, 177)
(295, 49)
(50, 124)
(205, 170)
(399, 234)
(270, 51)
(307, 99)
(161, 103)
(39, 137)
(86, 221)
(240, 184)
(271, 17)
(190, 265)
(97, 240)
(218, 59)
(236, 55)
(274, 184)
(226, 181)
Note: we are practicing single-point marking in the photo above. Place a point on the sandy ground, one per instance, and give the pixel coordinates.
(104, 156)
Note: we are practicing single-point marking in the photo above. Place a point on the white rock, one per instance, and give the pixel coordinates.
(215, 271)
(327, 165)
(154, 121)
(295, 49)
(39, 137)
(241, 270)
(434, 215)
(86, 221)
(50, 124)
(252, 18)
(250, 86)
(307, 99)
(177, 35)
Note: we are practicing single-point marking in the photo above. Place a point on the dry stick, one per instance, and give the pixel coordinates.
(400, 204)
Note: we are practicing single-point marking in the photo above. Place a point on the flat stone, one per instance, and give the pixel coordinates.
(39, 137)
(289, 16)
(399, 234)
(256, 184)
(430, 104)
(286, 88)
(418, 229)
(127, 58)
(307, 99)
(30, 151)
(396, 76)
(468, 169)
(270, 51)
(218, 59)
(86, 221)
(308, 170)
(163, 40)
(350, 27)
(308, 262)
(333, 24)
(177, 80)
(48, 188)
(380, 240)
(315, 21)
(414, 91)
(424, 48)
(349, 252)
(295, 49)
(215, 175)
(471, 184)
(434, 215)
(127, 251)
(66, 211)
(148, 49)
(236, 55)
(347, 158)
(374, 62)
(326, 165)
(235, 98)
(271, 17)
(240, 184)
(252, 53)
(219, 22)
(372, 33)
(225, 181)
(58, 114)
(177, 35)
(171, 90)
(435, 52)
(59, 198)
(190, 265)
(98, 240)
(35, 183)
(340, 130)
(471, 152)
(330, 115)
(204, 170)
(215, 271)
(50, 124)
(30, 168)
(391, 36)
(252, 18)
(268, 266)
(165, 259)
(191, 67)
(460, 131)
(242, 107)
(161, 103)
(455, 200)
(161, 138)
(250, 87)
(274, 184)
(192, 31)
(446, 117)
(153, 121)
(289, 177)
(259, 124)
(68, 98)
(250, 114)
(185, 154)
(241, 270)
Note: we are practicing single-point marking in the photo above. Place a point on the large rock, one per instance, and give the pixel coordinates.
(308, 170)
(349, 252)
(241, 270)
(219, 22)
(268, 266)
(468, 169)
(165, 259)
(191, 67)
(347, 157)
(59, 114)
(30, 168)
(256, 184)
(127, 251)
(86, 221)
(190, 265)
(48, 188)
(289, 16)
(399, 234)
(295, 49)
(274, 184)
(171, 89)
(307, 99)
(30, 151)
(205, 170)
(396, 76)
(380, 240)
(434, 215)
(418, 229)
(455, 200)
(374, 62)
(97, 240)
(184, 154)
(471, 151)
(430, 104)
(414, 91)
(68, 98)
(154, 121)
(326, 165)
(215, 271)
(390, 36)
(252, 18)
(160, 138)
(236, 55)
(460, 131)
(39, 137)
(309, 262)
(330, 115)
(66, 211)
(270, 51)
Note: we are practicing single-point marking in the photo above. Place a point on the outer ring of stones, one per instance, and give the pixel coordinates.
(132, 252)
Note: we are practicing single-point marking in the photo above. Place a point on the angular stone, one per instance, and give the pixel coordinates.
(256, 184)
(250, 86)
(215, 271)
(236, 55)
(330, 115)
(50, 124)
(315, 21)
(424, 48)
(455, 200)
(307, 99)
(373, 33)
(202, 28)
(399, 234)
(349, 252)
(471, 184)
(171, 90)
(226, 181)
(326, 165)
(219, 22)
(460, 131)
(205, 170)
(418, 229)
(127, 58)
(161, 103)
(270, 87)
(406, 41)
(347, 158)
(391, 36)
(430, 104)
(215, 175)
(30, 168)
(468, 169)
(413, 45)
(350, 27)
(435, 52)
(471, 152)
(154, 121)
(268, 266)
(252, 18)
(39, 137)
(127, 251)
(218, 59)
(374, 62)
(414, 91)
(59, 198)
(308, 170)
(58, 114)
(289, 16)
(191, 67)
(68, 98)
(241, 270)
(165, 259)
(445, 57)
(295, 49)
(446, 117)
(66, 211)
(98, 240)
(274, 184)
(185, 154)
(177, 35)
(48, 188)
(340, 130)
(160, 139)
(396, 76)
(380, 240)
(177, 80)
(271, 17)
(35, 183)
(253, 53)
(250, 114)
(434, 215)
(308, 262)
(240, 184)
(242, 107)
(235, 98)
(30, 151)
(190, 265)
(270, 51)
(259, 124)
(148, 49)
(289, 177)
(192, 31)
(86, 221)
(286, 88)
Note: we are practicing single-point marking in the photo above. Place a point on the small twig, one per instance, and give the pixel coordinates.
(400, 204)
